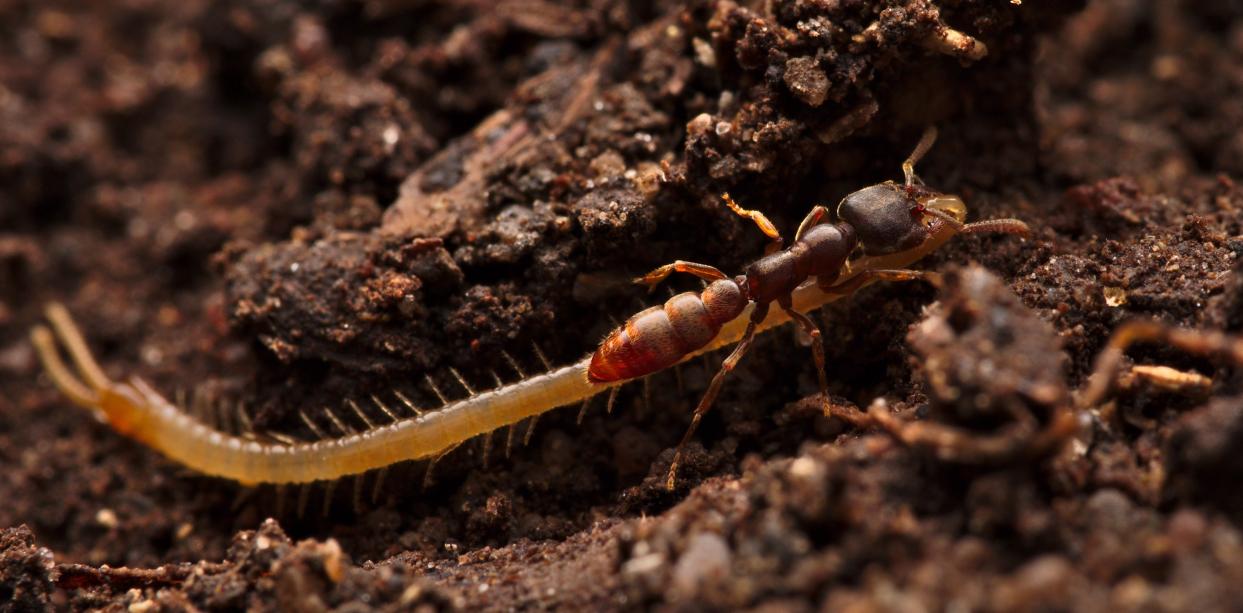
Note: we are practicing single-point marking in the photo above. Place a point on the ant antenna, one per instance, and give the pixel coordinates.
(908, 165)
(989, 226)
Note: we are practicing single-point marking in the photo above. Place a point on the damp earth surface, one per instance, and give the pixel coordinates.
(282, 206)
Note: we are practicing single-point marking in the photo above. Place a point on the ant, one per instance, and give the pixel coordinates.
(886, 219)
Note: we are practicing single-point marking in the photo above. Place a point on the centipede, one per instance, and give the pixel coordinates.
(879, 232)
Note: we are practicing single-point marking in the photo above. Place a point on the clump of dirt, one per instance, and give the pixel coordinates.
(283, 206)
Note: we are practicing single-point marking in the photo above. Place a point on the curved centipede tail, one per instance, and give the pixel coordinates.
(82, 391)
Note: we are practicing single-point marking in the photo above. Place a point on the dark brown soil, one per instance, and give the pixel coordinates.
(291, 204)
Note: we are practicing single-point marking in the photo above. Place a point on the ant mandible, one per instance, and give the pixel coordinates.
(882, 219)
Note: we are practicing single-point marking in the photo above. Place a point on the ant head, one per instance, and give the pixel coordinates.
(889, 218)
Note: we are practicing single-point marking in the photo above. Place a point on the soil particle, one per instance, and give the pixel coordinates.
(987, 358)
(25, 571)
(1200, 456)
(285, 206)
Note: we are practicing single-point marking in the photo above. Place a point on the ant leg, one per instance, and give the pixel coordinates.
(762, 222)
(814, 217)
(703, 271)
(817, 347)
(908, 165)
(705, 403)
(1109, 361)
(853, 284)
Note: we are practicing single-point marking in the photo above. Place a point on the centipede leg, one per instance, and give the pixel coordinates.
(379, 484)
(582, 412)
(486, 449)
(428, 480)
(241, 499)
(281, 492)
(608, 409)
(817, 347)
(705, 403)
(330, 491)
(304, 497)
(359, 482)
(531, 423)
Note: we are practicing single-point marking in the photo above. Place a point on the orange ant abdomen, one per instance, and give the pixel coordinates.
(659, 337)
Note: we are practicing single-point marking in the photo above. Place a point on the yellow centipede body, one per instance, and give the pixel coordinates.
(135, 409)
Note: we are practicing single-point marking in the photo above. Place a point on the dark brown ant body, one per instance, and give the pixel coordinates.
(881, 219)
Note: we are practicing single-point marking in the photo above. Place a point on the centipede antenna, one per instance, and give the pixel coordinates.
(319, 434)
(513, 364)
(526, 439)
(304, 497)
(77, 391)
(330, 490)
(336, 421)
(460, 379)
(361, 415)
(608, 408)
(487, 448)
(436, 390)
(75, 346)
(379, 484)
(582, 412)
(509, 440)
(358, 493)
(406, 401)
(543, 360)
(384, 407)
(281, 491)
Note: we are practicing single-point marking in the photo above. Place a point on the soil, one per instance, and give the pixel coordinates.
(285, 205)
